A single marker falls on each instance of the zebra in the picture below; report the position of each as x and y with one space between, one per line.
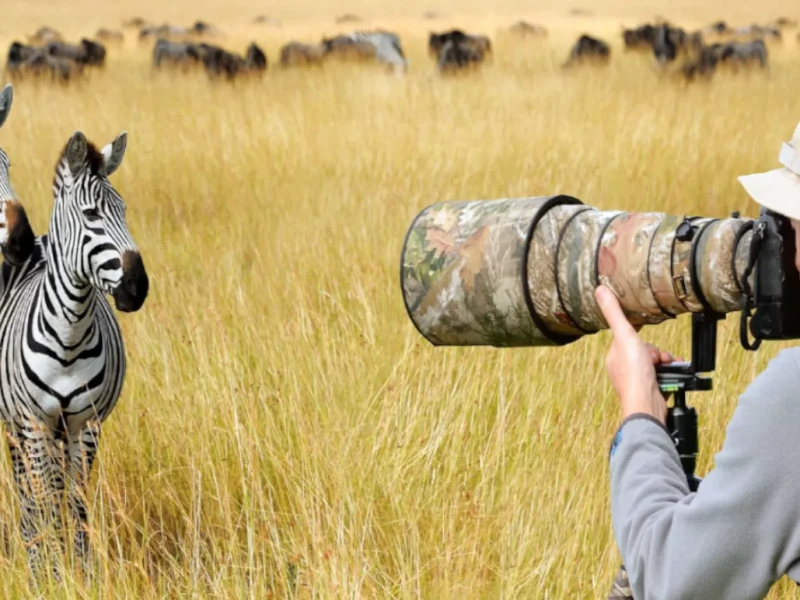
16 235
61 348
382 45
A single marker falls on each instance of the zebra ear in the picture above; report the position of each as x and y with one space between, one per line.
6 96
113 153
77 152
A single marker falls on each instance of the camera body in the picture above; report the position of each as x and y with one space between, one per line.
776 281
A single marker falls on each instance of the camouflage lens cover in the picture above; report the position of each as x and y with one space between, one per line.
522 272
463 272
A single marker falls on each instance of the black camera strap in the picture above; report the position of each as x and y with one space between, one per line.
759 229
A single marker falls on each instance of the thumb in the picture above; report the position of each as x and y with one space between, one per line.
612 311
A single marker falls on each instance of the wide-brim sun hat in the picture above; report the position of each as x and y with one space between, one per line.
779 190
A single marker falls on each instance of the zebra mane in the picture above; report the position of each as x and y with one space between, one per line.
94 158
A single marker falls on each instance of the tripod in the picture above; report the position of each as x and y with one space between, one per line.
675 380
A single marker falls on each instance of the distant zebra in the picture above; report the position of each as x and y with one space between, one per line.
16 235
382 45
62 351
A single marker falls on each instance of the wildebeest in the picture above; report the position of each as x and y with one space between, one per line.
176 54
705 63
255 58
480 43
223 63
639 38
744 53
455 50
86 52
525 29
348 18
731 53
667 42
455 57
785 22
45 35
19 53
203 29
265 20
588 49
298 53
109 36
718 28
25 60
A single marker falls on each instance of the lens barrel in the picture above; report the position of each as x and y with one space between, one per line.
522 272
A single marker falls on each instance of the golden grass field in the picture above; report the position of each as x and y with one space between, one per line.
284 431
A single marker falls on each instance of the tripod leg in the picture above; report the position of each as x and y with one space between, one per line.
622 587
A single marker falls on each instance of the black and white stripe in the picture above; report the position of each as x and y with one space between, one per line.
386 44
62 359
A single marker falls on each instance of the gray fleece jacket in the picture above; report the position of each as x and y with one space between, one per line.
740 532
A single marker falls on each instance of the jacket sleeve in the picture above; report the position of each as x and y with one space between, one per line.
740 531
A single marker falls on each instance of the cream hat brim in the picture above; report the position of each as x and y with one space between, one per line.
777 190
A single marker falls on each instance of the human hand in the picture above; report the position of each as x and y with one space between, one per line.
631 363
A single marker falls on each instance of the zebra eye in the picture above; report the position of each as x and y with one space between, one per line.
91 214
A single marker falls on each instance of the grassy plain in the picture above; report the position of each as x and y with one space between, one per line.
284 430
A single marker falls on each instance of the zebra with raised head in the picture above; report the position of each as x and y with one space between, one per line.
62 359
16 235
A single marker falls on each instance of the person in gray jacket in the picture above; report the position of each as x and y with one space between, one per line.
740 532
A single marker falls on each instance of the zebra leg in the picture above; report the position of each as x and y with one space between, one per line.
38 469
82 452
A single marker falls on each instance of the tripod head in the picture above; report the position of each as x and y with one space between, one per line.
677 379
687 376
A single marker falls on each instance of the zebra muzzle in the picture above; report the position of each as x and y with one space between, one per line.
130 294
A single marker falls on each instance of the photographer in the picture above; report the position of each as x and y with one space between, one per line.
740 532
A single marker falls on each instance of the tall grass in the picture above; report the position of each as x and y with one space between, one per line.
284 431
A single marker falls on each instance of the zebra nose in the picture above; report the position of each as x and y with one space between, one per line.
130 294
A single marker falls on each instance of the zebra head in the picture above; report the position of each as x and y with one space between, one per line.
88 224
16 236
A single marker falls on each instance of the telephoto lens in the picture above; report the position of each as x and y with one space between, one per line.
522 272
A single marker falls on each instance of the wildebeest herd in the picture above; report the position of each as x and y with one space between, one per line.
700 52
53 57
217 61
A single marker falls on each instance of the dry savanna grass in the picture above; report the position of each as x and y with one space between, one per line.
284 431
